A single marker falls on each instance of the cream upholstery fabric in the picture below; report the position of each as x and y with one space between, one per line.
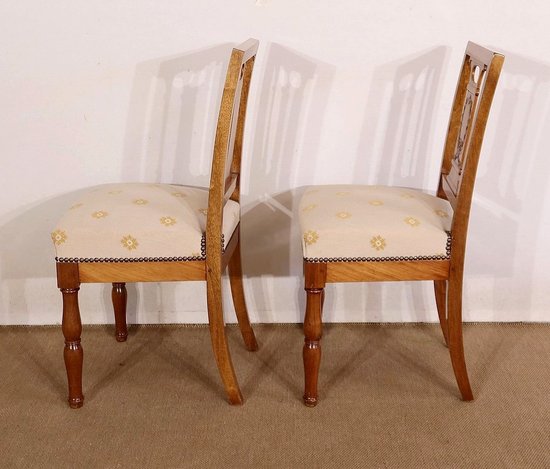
361 223
138 222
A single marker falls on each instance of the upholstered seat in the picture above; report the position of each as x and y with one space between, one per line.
346 223
138 221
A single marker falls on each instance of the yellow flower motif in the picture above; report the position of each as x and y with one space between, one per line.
378 243
309 208
411 221
72 207
442 213
310 237
343 215
129 242
342 193
204 211
179 194
168 221
376 203
99 214
59 237
407 196
114 192
141 202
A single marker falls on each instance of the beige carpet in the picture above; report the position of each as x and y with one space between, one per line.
389 399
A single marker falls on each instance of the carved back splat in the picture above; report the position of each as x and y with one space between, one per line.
473 97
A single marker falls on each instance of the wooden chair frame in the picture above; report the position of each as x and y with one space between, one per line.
473 97
224 185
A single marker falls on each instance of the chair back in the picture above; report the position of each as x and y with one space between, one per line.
473 97
226 161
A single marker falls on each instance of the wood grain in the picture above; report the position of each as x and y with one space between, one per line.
121 272
387 271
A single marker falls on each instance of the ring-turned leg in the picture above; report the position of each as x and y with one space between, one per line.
237 292
219 339
455 342
73 354
312 343
440 287
119 297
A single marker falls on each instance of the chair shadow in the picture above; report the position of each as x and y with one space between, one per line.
171 116
287 114
169 139
395 149
511 190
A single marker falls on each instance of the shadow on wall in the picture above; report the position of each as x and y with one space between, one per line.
394 145
287 121
27 257
169 138
395 148
174 104
395 142
512 185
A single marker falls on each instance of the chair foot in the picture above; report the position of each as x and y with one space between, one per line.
310 401
76 402
236 398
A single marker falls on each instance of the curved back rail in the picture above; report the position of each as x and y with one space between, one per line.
226 162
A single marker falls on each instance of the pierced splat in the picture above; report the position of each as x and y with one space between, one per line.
463 126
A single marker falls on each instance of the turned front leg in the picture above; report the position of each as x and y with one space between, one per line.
73 353
312 343
119 297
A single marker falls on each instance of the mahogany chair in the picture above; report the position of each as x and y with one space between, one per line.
140 232
356 233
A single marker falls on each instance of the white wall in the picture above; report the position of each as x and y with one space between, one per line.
344 92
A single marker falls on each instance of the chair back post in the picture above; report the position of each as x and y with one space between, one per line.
473 98
226 161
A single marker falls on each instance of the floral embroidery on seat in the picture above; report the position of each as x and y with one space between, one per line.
179 194
59 237
310 237
99 214
309 208
168 221
141 202
343 215
204 211
411 221
442 213
376 203
75 206
129 242
378 243
407 196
